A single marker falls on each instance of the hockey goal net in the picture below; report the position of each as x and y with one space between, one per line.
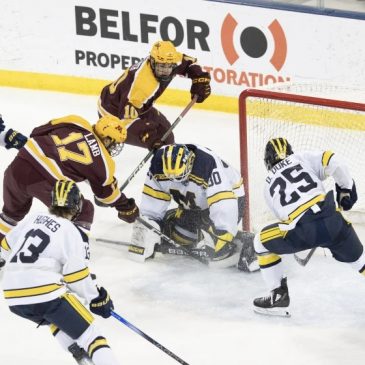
320 118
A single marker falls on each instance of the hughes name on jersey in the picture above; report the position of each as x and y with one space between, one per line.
212 184
45 254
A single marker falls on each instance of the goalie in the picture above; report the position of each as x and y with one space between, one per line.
210 198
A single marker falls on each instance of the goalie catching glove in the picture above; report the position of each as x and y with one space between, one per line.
102 305
201 87
346 198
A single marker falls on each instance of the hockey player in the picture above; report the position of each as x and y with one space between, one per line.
10 138
47 264
67 147
307 216
210 197
133 94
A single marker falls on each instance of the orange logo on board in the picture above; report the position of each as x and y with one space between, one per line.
254 42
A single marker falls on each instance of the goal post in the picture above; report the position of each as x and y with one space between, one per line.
326 121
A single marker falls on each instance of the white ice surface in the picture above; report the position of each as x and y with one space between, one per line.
203 316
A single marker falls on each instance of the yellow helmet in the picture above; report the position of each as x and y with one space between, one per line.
164 58
114 129
165 52
177 162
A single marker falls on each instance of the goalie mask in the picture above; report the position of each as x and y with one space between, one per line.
276 149
177 162
112 131
164 58
66 198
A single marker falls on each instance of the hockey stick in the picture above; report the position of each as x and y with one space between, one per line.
304 261
114 242
163 139
172 242
169 250
150 153
148 338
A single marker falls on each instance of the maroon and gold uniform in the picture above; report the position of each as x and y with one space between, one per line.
132 95
64 148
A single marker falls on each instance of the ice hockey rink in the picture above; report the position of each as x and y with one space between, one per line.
202 315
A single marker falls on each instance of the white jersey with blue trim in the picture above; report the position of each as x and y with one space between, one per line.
294 185
212 184
45 255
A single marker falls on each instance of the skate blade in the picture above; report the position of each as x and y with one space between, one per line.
273 312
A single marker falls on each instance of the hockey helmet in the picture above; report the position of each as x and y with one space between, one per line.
177 162
113 132
67 196
164 58
276 149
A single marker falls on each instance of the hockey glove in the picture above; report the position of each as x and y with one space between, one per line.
128 212
150 136
201 86
14 139
102 304
346 198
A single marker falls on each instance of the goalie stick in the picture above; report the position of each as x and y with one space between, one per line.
303 261
164 249
200 254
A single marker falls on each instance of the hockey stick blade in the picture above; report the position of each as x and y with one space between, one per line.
304 261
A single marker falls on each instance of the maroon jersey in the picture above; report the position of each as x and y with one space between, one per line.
68 148
135 91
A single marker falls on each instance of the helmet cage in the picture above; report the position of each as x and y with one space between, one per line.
115 148
177 162
162 70
164 58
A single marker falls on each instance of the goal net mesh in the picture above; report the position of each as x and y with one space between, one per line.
311 117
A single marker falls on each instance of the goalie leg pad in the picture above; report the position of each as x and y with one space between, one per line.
143 241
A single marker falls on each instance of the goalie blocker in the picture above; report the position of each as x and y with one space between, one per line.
145 243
